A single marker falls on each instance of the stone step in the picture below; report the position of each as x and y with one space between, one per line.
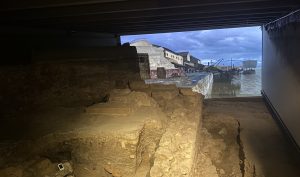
120 92
118 99
109 109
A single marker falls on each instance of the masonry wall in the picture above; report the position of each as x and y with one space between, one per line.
18 44
281 74
66 77
169 73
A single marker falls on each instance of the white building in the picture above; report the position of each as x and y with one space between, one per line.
156 54
173 57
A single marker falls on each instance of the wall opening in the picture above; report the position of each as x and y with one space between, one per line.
232 57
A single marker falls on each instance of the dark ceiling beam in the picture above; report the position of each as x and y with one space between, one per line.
185 29
187 20
121 4
195 27
121 30
191 20
153 25
234 8
145 9
34 4
183 23
139 16
198 16
171 25
174 27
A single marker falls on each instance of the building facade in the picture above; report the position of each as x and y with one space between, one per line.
191 63
157 59
173 57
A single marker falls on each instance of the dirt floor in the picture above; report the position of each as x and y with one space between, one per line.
131 134
158 131
240 138
105 139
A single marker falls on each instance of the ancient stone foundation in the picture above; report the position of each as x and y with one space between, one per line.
88 114
79 114
148 130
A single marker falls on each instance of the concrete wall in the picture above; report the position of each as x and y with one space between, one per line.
66 77
18 44
169 73
281 74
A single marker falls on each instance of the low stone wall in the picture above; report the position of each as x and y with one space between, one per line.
169 73
198 83
114 139
176 150
67 78
150 130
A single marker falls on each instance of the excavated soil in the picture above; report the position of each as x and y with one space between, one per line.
115 138
241 139
148 131
142 131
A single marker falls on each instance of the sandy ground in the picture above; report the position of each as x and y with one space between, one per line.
242 139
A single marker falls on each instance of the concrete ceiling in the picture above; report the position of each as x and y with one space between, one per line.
142 16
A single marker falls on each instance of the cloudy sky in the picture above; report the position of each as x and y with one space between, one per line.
233 43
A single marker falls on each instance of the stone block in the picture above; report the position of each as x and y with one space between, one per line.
119 96
109 109
164 94
163 87
187 92
11 172
176 152
65 171
138 85
119 92
141 99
